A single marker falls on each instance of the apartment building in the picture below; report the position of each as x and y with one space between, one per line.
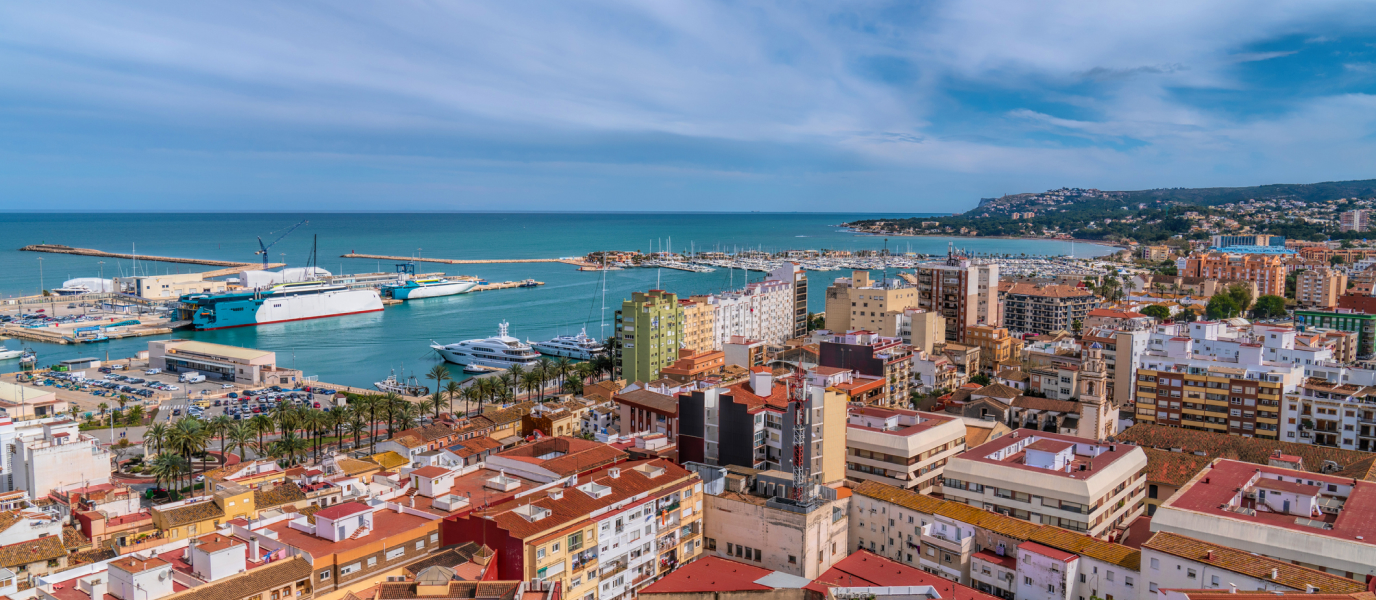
1075 483
580 532
1211 397
1354 220
699 324
996 554
1355 314
1043 309
1172 561
1123 350
762 310
650 326
1336 415
51 455
1320 288
995 345
1267 271
751 424
920 328
902 448
1155 253
751 516
1308 519
857 302
872 355
793 274
963 291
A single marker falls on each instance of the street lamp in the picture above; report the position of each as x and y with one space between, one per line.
40 276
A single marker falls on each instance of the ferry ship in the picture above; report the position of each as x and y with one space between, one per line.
579 346
500 352
278 304
428 288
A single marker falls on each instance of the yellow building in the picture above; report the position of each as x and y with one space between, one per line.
204 514
994 343
699 321
1319 288
857 302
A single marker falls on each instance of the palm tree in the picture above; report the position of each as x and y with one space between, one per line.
167 467
573 386
545 369
438 373
470 394
517 373
156 435
104 408
407 415
437 400
338 416
370 403
219 426
188 438
261 424
289 446
562 367
135 417
356 426
452 389
240 438
531 381
389 406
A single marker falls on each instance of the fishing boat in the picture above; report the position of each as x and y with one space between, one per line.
579 346
529 283
427 288
411 387
500 351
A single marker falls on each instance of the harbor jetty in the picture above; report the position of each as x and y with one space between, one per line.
235 267
455 261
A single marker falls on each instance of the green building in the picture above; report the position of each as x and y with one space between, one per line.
1363 324
650 328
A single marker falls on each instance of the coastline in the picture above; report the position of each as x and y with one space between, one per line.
990 237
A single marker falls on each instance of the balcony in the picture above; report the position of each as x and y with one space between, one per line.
931 534
612 569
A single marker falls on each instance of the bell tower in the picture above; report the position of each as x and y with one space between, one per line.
1098 418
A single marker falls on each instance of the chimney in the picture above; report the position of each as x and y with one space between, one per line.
614 472
1210 556
761 381
1309 588
1232 588
1275 573
253 549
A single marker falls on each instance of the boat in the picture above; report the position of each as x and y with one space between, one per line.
528 283
11 354
29 358
72 290
579 346
411 387
479 369
427 288
280 303
500 352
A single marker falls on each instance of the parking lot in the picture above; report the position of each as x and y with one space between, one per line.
246 404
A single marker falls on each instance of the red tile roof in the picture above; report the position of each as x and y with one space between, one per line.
1052 553
430 472
710 574
866 569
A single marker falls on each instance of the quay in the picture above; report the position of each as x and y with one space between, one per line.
455 261
235 267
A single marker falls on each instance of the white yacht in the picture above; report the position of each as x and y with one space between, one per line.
579 346
499 352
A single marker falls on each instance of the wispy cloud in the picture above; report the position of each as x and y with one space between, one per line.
610 94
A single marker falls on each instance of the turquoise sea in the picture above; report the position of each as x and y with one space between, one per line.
358 350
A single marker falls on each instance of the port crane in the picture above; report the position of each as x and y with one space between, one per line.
264 247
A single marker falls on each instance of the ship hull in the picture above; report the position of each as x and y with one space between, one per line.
432 291
248 311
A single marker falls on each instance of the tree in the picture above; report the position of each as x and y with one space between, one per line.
1241 294
980 378
1077 325
155 436
1158 312
454 389
439 373
1269 307
219 426
240 437
134 416
1221 306
437 400
1335 260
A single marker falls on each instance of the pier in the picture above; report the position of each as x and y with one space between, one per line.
234 267
455 261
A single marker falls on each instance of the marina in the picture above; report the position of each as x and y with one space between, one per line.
234 266
454 261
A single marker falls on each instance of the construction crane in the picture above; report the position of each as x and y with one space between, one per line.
264 247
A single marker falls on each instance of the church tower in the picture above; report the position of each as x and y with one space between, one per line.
1098 416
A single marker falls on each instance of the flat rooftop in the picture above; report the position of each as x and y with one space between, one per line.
219 350
386 524
925 420
1090 456
1214 489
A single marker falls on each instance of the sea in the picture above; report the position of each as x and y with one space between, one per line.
361 349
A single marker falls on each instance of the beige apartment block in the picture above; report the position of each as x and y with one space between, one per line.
1319 288
902 448
859 303
1076 483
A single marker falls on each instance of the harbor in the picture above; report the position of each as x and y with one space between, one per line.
233 266
455 261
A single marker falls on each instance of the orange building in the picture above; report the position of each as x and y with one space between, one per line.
1266 271
693 365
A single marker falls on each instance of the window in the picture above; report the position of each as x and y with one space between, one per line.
324 576
349 569
1152 587
1110 576
372 562
1127 581
1214 580
1155 564
554 548
792 560
1190 573
434 538
539 554
396 553
1027 580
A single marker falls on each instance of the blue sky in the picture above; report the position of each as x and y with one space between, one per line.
662 105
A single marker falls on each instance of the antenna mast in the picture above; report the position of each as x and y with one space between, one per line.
798 398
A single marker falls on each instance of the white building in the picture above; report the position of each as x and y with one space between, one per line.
52 456
762 311
625 541
1221 342
1173 561
1045 573
1076 483
903 448
216 556
134 578
1330 414
1309 519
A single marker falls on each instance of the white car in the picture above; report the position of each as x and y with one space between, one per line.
152 371
170 388
227 386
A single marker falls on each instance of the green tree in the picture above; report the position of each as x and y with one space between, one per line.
980 378
1158 312
454 389
439 373
1269 307
240 437
437 400
1221 306
1335 260
1241 295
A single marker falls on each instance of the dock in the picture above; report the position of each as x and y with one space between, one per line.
455 261
234 267
54 336
504 285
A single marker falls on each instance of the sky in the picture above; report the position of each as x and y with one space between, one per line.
651 105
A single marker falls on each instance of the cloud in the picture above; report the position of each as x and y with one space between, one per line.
948 95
